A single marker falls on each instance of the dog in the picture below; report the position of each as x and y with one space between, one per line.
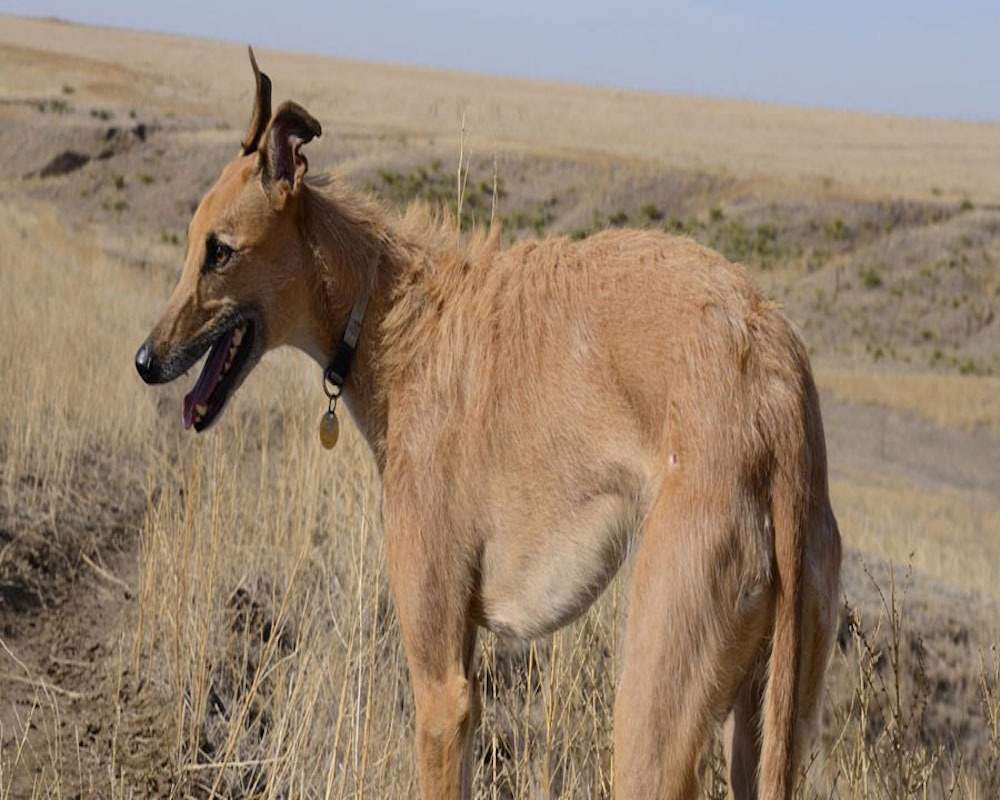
536 412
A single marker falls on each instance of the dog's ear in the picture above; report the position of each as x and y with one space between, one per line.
261 109
282 165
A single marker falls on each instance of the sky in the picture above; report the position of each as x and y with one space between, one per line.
912 57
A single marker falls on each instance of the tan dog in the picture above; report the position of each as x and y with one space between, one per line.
534 412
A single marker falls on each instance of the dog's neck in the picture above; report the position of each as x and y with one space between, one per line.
355 255
410 267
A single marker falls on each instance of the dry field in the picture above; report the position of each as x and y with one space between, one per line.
196 616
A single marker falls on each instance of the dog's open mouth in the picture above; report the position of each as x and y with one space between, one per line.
223 371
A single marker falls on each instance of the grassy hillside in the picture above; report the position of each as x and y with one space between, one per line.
184 615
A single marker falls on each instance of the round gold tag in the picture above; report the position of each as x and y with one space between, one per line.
329 430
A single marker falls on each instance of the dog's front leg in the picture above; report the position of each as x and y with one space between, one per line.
431 591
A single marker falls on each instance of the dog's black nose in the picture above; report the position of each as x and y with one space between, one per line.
145 363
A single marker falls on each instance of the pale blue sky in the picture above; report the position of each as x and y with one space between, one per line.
921 58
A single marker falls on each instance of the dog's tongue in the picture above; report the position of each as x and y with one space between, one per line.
208 379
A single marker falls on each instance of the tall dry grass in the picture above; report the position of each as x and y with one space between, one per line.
68 315
72 432
267 619
880 742
265 615
263 622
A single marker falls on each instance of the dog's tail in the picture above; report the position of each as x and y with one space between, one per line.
778 762
798 491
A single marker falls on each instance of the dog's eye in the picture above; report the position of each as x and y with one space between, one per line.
217 254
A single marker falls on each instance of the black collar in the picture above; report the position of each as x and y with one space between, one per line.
335 374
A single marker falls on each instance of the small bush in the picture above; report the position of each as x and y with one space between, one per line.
57 106
677 225
737 242
870 278
651 213
838 230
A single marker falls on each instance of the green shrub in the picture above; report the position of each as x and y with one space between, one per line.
838 230
870 278
651 213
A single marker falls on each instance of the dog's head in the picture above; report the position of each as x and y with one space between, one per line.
242 290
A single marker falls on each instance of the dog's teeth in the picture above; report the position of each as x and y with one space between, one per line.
202 409
238 336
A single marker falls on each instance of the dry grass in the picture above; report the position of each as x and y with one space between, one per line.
951 535
959 401
882 747
69 440
65 336
258 653
266 618
263 623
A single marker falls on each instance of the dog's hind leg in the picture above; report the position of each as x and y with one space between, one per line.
819 624
743 734
432 604
696 627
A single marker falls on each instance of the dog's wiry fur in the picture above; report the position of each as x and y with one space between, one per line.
536 412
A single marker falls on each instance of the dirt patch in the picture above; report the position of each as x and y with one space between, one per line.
51 537
67 161
71 697
71 703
